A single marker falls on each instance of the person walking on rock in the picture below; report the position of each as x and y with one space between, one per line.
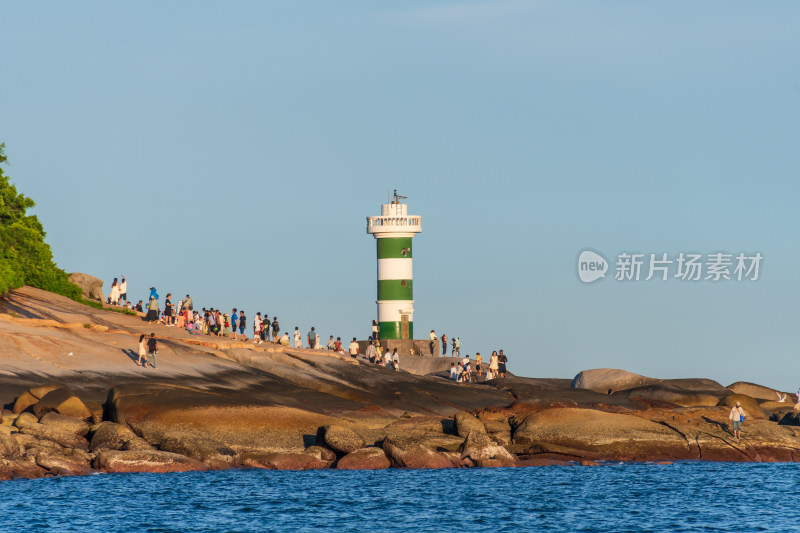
142 350
736 416
152 350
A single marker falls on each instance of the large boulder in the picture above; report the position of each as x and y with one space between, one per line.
759 392
483 451
364 459
110 436
159 414
413 452
340 439
91 287
466 423
684 392
592 434
63 401
10 448
144 461
604 379
62 462
322 453
282 461
26 420
64 424
748 403
207 450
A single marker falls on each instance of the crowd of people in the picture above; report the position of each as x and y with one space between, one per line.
215 322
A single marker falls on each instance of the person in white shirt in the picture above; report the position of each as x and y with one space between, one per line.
123 290
396 361
433 342
387 358
371 352
736 416
298 339
114 295
257 323
353 348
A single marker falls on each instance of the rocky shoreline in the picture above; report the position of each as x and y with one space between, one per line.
76 403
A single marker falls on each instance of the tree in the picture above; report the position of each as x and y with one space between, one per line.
25 257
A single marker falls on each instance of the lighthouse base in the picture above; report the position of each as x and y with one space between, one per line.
405 346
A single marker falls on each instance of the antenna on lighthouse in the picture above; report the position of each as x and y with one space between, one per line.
396 198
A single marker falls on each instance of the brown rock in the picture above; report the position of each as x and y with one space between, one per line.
364 459
749 404
138 443
602 379
145 461
340 439
203 449
412 452
61 464
7 417
110 436
282 461
25 420
483 451
592 434
64 424
759 392
42 390
322 453
91 287
23 401
466 423
10 447
96 408
63 401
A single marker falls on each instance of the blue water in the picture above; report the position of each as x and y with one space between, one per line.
628 497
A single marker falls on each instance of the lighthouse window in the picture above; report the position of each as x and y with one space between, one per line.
403 252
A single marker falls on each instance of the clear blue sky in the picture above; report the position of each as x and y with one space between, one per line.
233 150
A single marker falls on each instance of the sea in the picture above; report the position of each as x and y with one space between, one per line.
685 496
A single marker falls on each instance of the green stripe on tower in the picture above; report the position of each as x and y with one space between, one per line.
391 330
392 248
395 289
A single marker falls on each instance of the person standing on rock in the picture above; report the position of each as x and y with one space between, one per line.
501 364
242 325
168 310
478 361
187 303
298 339
396 360
376 329
234 322
312 339
493 364
257 328
736 417
123 290
353 348
444 345
152 350
152 310
433 342
371 352
113 297
275 329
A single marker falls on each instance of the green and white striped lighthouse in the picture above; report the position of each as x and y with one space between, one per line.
393 231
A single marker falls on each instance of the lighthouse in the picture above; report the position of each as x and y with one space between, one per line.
393 230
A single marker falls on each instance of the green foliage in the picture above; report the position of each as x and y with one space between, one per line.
25 258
